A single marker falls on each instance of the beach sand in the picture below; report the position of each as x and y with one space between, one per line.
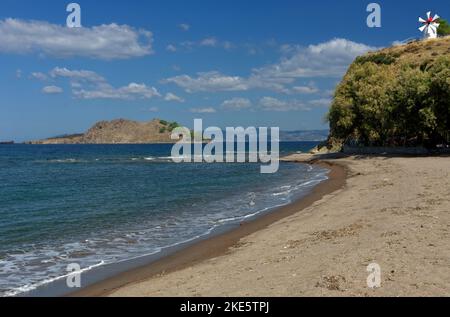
391 211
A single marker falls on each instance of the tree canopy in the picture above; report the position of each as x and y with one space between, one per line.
383 101
444 28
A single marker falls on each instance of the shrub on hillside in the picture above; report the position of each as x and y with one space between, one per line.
444 28
385 104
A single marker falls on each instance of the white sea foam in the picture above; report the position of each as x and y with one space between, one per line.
30 287
69 160
149 238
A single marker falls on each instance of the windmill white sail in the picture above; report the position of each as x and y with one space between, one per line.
430 26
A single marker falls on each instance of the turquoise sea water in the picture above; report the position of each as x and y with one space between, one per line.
101 204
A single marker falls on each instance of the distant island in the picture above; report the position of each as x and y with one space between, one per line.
123 131
304 135
119 131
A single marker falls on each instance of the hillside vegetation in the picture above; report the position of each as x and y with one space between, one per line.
399 96
120 132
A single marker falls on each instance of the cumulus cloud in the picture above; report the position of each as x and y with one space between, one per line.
305 90
323 102
106 91
330 59
52 90
209 81
106 42
87 84
216 81
276 105
172 97
203 110
188 45
227 45
184 27
210 41
39 76
171 48
236 104
77 75
214 42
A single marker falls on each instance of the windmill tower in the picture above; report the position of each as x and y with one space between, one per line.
430 26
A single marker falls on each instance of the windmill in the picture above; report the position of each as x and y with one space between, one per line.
429 27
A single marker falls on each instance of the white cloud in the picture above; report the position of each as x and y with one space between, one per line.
403 42
172 97
99 42
39 76
184 27
227 45
287 48
171 48
277 105
305 90
330 59
75 84
210 42
274 104
106 91
323 102
153 109
252 50
214 42
210 81
77 75
329 93
279 85
52 90
87 84
215 81
203 110
18 73
188 45
237 104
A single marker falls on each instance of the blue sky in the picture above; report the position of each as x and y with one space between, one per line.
248 63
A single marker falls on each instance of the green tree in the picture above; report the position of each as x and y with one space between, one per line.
361 110
413 116
440 98
444 28
379 104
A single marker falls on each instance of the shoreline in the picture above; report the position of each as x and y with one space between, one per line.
217 245
392 213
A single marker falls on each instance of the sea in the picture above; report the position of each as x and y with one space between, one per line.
103 205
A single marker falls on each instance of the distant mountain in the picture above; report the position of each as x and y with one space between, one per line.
119 131
312 135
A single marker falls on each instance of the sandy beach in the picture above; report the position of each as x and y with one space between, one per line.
389 211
